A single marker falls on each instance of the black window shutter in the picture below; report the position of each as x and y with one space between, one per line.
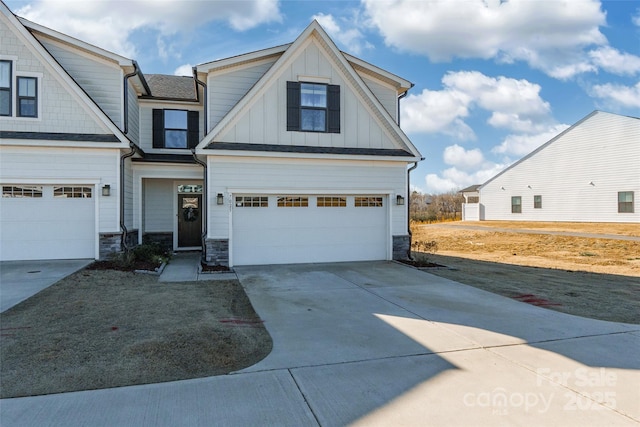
293 106
158 128
333 104
193 126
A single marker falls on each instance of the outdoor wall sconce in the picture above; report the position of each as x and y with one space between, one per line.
399 200
106 190
220 199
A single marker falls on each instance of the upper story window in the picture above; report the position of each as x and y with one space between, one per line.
313 107
5 88
175 128
27 101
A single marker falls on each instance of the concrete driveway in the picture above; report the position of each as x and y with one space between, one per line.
21 279
384 344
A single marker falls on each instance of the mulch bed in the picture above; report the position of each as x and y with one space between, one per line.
118 266
214 268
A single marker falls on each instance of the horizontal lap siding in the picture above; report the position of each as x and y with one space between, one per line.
55 165
308 176
603 149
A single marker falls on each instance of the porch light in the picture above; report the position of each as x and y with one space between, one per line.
106 190
399 200
220 199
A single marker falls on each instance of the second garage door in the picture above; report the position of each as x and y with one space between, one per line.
276 229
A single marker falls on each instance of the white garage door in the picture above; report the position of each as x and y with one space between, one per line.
303 229
47 222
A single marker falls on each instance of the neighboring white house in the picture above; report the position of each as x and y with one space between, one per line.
588 173
285 155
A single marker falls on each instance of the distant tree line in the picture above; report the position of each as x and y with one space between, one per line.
436 207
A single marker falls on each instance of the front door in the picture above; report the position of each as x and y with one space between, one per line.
189 220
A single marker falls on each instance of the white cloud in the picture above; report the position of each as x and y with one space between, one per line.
614 61
437 111
514 104
457 156
453 179
184 70
618 95
553 38
519 145
636 18
351 38
109 24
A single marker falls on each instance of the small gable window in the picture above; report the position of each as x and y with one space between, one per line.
313 107
5 88
175 128
27 97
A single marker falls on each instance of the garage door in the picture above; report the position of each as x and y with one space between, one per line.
301 228
47 222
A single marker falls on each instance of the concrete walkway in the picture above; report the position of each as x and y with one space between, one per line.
184 267
20 280
385 344
529 231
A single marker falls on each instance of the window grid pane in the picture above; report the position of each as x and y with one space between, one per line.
175 119
27 97
313 120
252 201
537 202
21 191
625 202
5 88
293 202
175 138
362 202
331 202
516 204
313 95
72 192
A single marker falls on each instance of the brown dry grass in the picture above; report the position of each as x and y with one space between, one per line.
98 329
597 255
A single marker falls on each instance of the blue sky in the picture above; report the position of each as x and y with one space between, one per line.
493 79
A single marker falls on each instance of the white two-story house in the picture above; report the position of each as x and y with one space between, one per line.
287 155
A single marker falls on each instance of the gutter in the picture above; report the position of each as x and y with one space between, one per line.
402 95
203 237
204 91
134 148
415 165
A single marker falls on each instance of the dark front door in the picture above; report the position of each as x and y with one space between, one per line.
189 220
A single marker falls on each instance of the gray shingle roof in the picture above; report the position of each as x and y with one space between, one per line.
307 149
171 87
56 136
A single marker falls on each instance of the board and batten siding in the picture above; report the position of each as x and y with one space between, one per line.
264 122
58 109
227 87
100 79
76 166
578 175
313 177
387 96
